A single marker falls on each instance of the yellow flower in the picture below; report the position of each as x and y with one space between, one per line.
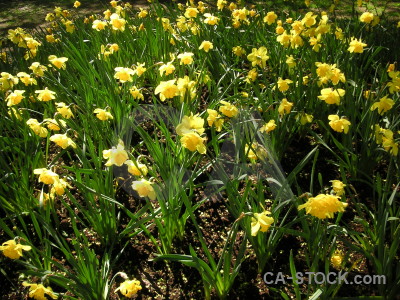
338 187
102 114
140 69
193 141
123 74
15 97
258 57
136 93
214 118
38 291
58 62
64 110
261 222
331 96
291 62
268 127
323 206
129 288
255 151
46 176
238 51
77 4
388 142
228 109
191 12
99 25
210 19
206 46
116 156
7 81
37 128
117 23
167 68
144 189
37 69
337 259
186 58
136 168
383 105
309 19
26 79
356 46
394 85
283 84
53 125
62 140
339 125
270 17
13 250
59 187
285 107
251 75
304 118
367 17
192 123
45 95
167 89
142 13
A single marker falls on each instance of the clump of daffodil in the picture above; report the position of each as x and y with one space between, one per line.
116 155
37 128
13 250
215 119
26 79
190 129
261 222
323 206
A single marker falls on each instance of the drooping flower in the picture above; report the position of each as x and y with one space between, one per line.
367 17
129 288
117 23
123 74
167 89
45 95
331 96
102 114
136 93
192 123
323 206
144 188
337 259
338 187
210 19
26 79
268 127
63 141
193 141
261 222
270 18
304 118
58 62
38 291
228 109
383 105
167 68
140 69
15 97
186 58
283 84
214 118
46 176
13 250
356 46
116 155
258 57
99 25
255 151
64 110
38 69
285 107
339 124
136 168
206 46
37 128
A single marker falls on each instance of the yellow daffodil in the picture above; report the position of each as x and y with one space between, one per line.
13 250
268 127
285 107
15 97
58 62
338 187
261 222
38 69
45 95
228 109
192 123
64 110
186 58
383 105
46 176
367 17
37 128
283 84
38 291
356 46
270 18
136 168
99 25
123 74
144 188
136 93
193 141
206 46
62 140
258 57
215 119
331 96
167 89
116 155
117 23
323 206
339 124
337 259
